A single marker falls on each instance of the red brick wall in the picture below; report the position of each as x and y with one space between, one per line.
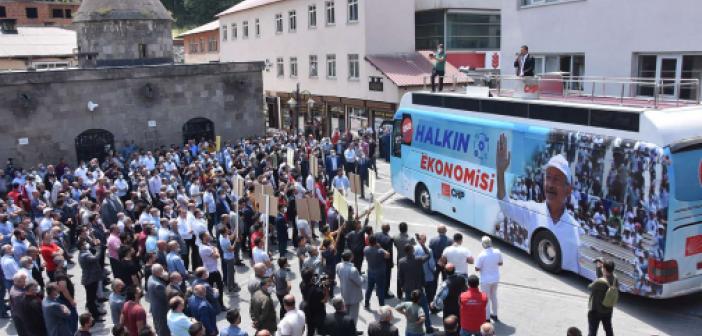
201 56
17 10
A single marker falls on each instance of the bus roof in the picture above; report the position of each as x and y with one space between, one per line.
661 126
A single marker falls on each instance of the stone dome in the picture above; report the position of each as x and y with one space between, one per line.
103 10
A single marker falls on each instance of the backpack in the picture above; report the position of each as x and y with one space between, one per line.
611 295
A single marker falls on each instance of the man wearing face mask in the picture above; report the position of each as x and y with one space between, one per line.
90 279
158 302
67 291
262 310
281 228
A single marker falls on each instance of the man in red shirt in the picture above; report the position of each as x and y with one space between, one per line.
472 309
133 314
49 250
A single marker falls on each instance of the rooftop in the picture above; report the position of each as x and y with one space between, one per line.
99 10
214 25
413 69
246 5
38 41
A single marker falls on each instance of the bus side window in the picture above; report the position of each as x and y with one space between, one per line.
397 138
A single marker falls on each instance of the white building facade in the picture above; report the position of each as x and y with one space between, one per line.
652 40
321 46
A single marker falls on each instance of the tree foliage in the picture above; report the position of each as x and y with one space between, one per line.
191 13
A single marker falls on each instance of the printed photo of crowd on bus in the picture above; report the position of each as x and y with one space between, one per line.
619 198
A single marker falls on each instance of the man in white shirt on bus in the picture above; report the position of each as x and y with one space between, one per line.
457 255
551 215
488 264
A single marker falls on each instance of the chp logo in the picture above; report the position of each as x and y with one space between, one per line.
407 130
448 192
481 146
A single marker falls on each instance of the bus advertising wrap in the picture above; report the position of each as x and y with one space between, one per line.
599 196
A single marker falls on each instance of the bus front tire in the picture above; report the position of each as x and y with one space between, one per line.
422 198
547 251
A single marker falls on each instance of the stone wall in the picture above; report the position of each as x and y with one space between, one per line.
50 109
116 42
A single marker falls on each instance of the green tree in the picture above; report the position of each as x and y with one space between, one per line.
188 13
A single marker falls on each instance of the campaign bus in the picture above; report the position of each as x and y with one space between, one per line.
568 182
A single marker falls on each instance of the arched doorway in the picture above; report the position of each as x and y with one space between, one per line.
94 143
197 129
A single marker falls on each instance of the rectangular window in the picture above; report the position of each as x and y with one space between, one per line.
224 33
331 66
354 67
258 28
331 18
142 51
292 18
31 12
293 67
471 31
2 12
280 67
353 11
278 23
429 29
314 65
312 16
245 29
235 33
201 47
69 14
212 45
193 47
57 13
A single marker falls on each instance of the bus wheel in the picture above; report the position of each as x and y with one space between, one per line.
423 198
547 251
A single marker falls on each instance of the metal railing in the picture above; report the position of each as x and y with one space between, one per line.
624 90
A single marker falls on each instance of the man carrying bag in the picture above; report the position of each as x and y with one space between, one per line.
604 294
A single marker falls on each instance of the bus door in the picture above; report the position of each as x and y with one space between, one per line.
398 178
680 240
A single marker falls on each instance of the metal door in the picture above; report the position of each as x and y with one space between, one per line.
94 144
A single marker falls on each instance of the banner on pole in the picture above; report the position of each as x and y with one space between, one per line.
371 182
378 213
341 205
272 206
291 157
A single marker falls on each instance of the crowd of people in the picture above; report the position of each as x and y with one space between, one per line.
172 227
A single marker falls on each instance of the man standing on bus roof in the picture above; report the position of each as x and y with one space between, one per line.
551 215
524 64
439 68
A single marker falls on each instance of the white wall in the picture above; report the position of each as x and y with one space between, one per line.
422 5
341 39
608 32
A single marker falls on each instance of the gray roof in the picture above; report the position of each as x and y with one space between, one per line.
38 41
101 10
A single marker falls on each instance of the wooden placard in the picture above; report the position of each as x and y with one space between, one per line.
268 190
315 210
303 211
291 157
240 186
272 206
355 182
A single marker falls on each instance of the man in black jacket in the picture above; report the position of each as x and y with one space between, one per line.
339 323
450 291
410 276
524 64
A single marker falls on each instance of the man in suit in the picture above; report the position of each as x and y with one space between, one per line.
110 207
37 268
55 314
524 64
157 298
363 168
331 165
90 278
351 284
202 310
175 286
383 326
339 323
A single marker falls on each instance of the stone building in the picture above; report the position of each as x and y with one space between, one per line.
79 114
125 32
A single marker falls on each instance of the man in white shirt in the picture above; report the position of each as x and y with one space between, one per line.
293 324
457 255
9 265
488 264
341 182
122 186
350 159
551 215
259 255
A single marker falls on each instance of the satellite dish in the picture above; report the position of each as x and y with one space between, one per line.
92 106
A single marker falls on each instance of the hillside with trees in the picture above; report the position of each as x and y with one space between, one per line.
192 13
